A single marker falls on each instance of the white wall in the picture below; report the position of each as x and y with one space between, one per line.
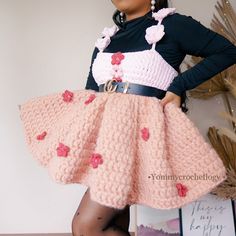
46 46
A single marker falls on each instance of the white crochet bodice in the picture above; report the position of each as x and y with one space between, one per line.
146 67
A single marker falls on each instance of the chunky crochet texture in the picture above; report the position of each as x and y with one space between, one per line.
127 148
136 140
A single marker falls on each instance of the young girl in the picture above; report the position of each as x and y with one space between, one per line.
126 136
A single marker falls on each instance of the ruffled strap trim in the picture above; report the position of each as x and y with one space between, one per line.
102 42
156 32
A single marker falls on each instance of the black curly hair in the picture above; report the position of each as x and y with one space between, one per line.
159 4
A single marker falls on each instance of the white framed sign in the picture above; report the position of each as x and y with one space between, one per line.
156 222
208 216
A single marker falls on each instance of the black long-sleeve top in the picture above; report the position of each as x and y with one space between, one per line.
183 35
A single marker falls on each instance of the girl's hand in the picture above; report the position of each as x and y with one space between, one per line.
171 97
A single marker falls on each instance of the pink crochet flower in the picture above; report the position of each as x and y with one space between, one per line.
117 73
145 133
117 58
42 135
182 189
102 43
115 67
154 33
90 99
95 160
62 150
67 96
110 31
160 14
107 32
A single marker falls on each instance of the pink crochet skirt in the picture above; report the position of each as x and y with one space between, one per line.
127 148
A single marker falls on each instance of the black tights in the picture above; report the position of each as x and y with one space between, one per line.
94 219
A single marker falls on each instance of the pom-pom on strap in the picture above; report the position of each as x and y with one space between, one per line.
156 32
162 13
104 41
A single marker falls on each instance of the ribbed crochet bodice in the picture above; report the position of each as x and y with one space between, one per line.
145 67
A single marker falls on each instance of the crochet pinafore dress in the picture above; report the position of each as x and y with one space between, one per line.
127 148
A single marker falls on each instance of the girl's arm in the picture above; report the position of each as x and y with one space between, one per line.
195 39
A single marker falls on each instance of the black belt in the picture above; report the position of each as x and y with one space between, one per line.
127 87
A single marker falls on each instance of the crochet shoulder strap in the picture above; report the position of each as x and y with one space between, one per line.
155 32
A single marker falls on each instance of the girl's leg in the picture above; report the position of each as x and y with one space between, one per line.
122 219
94 219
